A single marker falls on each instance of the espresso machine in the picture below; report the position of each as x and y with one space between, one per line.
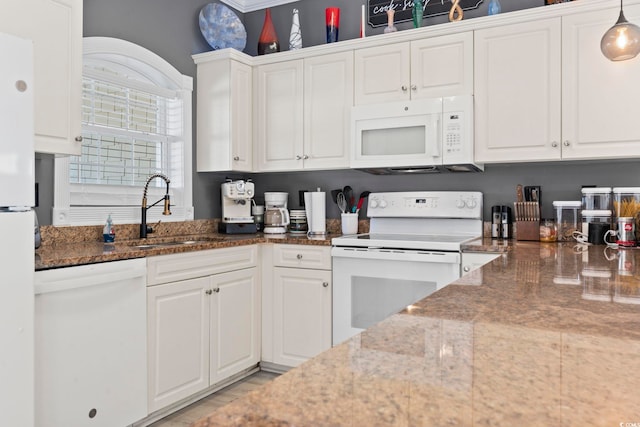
236 207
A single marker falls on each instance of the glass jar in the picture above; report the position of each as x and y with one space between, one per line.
567 219
596 198
626 203
548 231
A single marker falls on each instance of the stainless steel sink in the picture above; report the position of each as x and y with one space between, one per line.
170 242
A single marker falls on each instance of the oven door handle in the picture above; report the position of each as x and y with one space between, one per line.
396 255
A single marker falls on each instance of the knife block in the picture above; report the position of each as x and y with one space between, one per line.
527 220
527 230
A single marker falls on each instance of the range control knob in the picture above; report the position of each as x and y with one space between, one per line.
383 204
471 203
373 203
460 204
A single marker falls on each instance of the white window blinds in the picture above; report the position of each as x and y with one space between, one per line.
128 133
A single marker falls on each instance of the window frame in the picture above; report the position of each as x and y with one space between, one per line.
125 204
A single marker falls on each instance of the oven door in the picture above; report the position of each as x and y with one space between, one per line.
371 284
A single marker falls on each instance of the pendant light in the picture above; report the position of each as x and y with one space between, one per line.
622 41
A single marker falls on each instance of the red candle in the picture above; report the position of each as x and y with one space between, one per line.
332 15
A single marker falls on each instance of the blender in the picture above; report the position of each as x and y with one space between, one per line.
276 215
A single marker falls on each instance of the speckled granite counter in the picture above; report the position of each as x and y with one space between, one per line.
79 253
70 246
551 337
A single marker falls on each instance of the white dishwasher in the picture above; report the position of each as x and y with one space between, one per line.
90 345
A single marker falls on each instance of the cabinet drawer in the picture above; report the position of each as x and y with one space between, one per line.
170 268
302 256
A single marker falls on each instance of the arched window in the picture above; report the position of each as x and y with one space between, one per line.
136 122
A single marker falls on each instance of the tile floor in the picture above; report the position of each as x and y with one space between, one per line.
197 410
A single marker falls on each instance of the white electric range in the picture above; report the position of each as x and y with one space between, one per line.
412 249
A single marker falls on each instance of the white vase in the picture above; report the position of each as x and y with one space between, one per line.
295 38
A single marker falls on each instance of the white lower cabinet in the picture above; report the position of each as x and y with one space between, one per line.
201 330
297 303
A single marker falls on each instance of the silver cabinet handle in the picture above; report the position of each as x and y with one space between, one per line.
78 139
236 158
305 157
216 290
298 157
566 143
299 256
404 88
414 88
466 269
208 292
325 284
554 144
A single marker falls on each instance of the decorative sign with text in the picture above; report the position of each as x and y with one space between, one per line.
378 9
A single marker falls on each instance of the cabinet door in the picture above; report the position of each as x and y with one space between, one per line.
242 118
517 92
599 117
279 104
382 73
442 66
224 114
235 323
178 340
302 314
55 26
328 98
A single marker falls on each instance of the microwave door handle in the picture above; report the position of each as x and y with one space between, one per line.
437 137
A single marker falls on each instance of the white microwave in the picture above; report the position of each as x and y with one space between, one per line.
427 135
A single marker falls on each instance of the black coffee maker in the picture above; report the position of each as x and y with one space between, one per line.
501 222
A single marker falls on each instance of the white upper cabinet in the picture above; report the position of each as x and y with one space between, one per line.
426 68
224 114
302 113
517 92
279 127
55 26
382 73
328 98
600 97
442 66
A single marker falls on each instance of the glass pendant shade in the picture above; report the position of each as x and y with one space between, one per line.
622 41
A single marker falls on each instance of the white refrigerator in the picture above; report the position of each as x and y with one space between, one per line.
16 232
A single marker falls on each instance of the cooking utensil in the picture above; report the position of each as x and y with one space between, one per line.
334 195
363 196
342 202
348 195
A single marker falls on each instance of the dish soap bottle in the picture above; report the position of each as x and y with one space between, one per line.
108 232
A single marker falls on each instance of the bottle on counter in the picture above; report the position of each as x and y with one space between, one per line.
109 232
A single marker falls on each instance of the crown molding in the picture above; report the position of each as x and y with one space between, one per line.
245 6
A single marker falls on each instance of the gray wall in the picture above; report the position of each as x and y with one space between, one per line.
170 29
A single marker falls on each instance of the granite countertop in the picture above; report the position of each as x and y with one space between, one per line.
91 252
550 337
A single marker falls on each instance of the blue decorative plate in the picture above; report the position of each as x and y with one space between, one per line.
222 28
